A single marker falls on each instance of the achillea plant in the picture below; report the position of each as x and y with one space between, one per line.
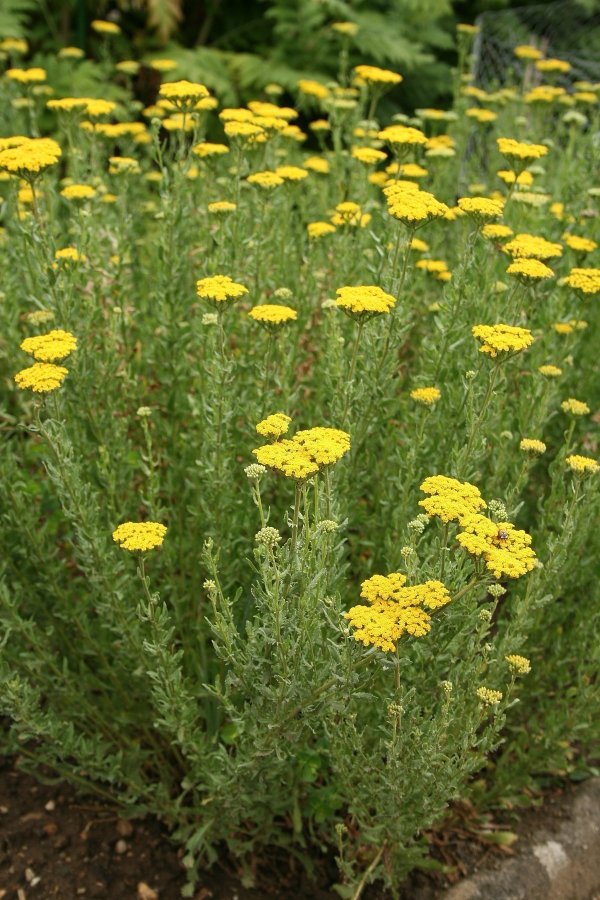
235 360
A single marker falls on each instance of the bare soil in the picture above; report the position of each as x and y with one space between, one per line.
56 844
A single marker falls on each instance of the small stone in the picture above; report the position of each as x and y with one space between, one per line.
50 806
2 894
145 892
124 828
121 847
29 875
81 891
35 881
50 828
3 811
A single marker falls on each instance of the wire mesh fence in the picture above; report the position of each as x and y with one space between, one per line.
566 30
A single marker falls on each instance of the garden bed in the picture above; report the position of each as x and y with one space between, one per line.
55 843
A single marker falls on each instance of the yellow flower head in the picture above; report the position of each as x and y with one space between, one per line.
138 537
317 164
368 155
183 94
265 179
488 696
29 157
102 26
523 179
575 407
319 229
121 165
350 213
272 315
531 445
374 75
395 609
496 232
41 377
364 301
291 173
529 271
402 136
582 465
502 338
426 395
412 206
505 550
26 76
579 244
481 208
520 665
288 458
206 148
274 426
528 246
549 371
347 29
450 499
51 347
78 192
585 280
553 65
221 206
526 51
313 89
512 149
218 289
324 446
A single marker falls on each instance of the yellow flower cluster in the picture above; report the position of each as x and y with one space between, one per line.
545 93
523 179
529 271
450 499
78 192
496 232
51 347
532 445
272 315
505 550
550 371
28 157
553 65
395 609
102 26
221 206
26 76
575 407
319 229
374 75
69 254
368 155
350 213
95 107
220 288
413 207
183 94
313 89
364 301
481 208
426 395
501 338
512 149
137 537
585 280
265 179
291 173
520 665
528 246
41 378
526 51
402 136
306 453
580 244
274 426
488 696
206 148
582 465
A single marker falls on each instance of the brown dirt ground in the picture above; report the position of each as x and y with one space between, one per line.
56 844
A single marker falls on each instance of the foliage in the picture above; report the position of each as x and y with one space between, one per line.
216 681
